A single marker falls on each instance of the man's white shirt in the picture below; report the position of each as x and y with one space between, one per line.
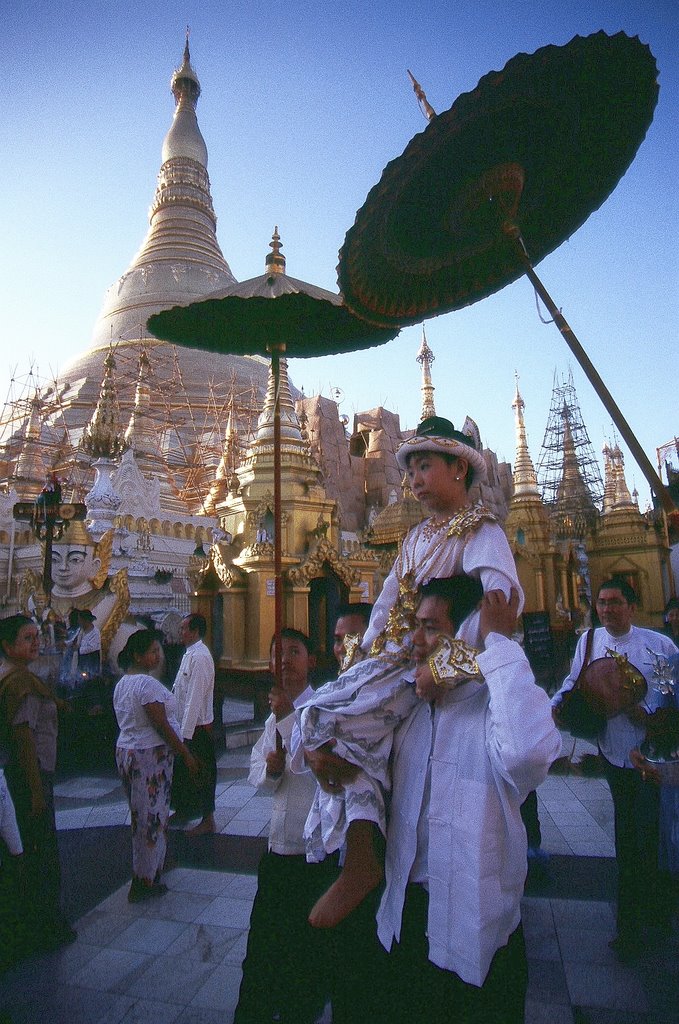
292 792
194 688
621 735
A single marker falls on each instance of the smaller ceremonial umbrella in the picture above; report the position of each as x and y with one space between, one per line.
497 182
270 315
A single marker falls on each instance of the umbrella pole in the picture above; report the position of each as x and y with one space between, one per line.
277 526
597 383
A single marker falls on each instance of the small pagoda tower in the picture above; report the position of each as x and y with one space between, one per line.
568 471
226 479
425 358
629 544
527 525
309 527
31 468
103 442
143 437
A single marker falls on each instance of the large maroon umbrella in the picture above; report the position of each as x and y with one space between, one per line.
270 315
497 182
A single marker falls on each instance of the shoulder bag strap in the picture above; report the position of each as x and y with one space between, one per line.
588 654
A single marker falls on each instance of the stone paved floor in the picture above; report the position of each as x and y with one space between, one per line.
178 959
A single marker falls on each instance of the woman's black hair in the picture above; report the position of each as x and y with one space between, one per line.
137 644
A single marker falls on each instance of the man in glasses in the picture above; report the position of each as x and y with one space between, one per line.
643 910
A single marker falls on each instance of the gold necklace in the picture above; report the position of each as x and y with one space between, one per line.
412 566
433 526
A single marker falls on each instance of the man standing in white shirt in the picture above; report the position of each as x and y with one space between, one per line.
642 898
284 971
194 689
88 644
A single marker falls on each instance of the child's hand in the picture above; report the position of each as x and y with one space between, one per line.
331 770
498 615
425 685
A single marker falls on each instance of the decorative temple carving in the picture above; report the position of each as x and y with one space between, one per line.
322 554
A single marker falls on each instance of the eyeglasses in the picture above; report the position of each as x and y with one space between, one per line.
610 602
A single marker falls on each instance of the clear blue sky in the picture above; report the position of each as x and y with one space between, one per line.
302 106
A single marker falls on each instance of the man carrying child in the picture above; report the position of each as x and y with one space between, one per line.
458 767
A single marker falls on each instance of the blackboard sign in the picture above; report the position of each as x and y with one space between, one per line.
537 635
538 644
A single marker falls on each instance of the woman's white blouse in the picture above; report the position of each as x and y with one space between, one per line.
130 696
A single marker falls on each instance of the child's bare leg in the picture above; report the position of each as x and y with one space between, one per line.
362 872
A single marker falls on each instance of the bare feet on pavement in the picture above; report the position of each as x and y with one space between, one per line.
205 827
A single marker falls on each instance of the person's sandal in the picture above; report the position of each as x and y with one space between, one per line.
139 892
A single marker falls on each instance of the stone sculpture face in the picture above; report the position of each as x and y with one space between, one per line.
74 568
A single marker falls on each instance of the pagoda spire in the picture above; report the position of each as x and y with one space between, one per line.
230 457
225 475
609 480
565 413
425 358
256 473
143 438
31 467
616 491
572 485
180 259
573 509
524 475
184 138
102 437
103 442
623 497
141 434
291 434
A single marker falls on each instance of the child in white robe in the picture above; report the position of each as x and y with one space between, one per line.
359 711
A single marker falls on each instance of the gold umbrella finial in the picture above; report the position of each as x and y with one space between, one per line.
275 260
424 104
